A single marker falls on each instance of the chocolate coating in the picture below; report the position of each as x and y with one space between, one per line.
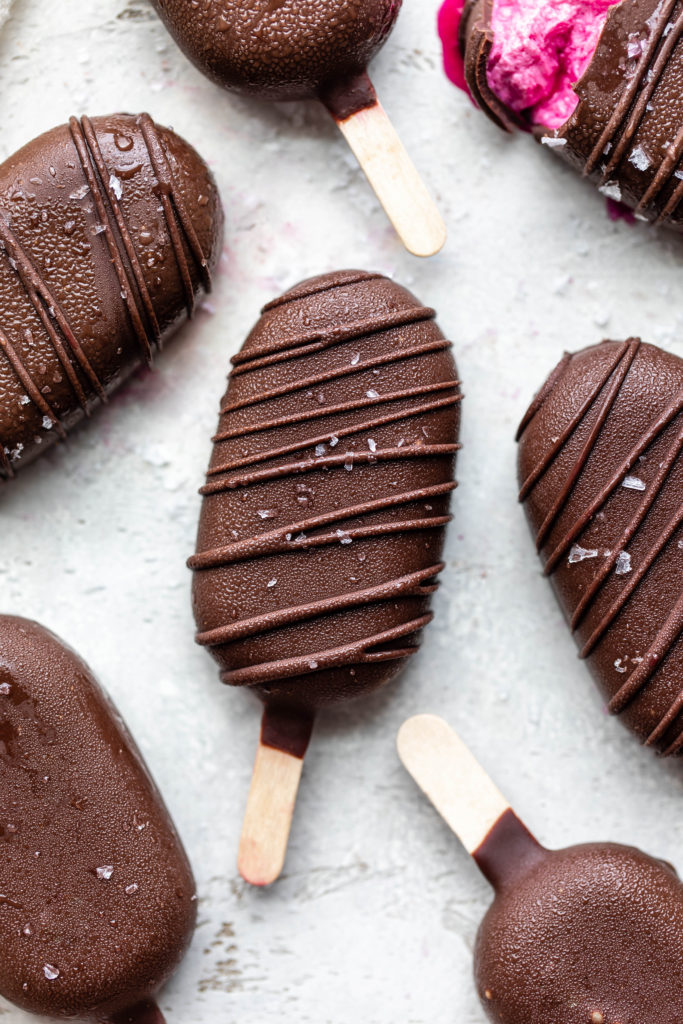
602 480
109 228
588 935
97 904
626 133
328 492
280 49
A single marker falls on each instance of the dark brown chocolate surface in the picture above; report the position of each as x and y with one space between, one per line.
588 935
108 230
627 131
328 492
602 479
97 900
280 49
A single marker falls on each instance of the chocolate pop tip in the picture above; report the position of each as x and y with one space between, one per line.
99 899
600 473
115 230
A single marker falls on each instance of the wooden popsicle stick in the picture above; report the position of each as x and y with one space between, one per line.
268 818
285 733
393 176
451 778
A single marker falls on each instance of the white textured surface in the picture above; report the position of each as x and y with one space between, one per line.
376 916
5 8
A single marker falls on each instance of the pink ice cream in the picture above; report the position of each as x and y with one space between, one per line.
449 20
541 48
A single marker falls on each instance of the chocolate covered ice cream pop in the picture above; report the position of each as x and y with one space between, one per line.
110 227
592 934
314 50
98 902
323 516
598 81
601 476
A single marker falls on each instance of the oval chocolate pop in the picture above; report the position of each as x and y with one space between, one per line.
323 517
601 474
591 934
109 228
315 49
98 900
598 83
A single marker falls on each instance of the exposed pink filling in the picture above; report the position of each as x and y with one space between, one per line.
541 48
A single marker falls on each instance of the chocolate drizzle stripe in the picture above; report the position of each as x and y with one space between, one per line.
124 233
244 363
353 406
627 97
305 293
24 376
559 444
178 222
651 434
540 398
576 470
672 204
259 546
329 462
127 289
359 652
410 585
638 576
338 373
667 721
665 171
276 539
51 316
310 442
651 495
660 647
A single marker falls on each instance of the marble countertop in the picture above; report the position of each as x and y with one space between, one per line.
375 916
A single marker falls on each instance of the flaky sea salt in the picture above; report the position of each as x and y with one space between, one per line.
639 159
633 483
104 873
553 143
50 972
115 186
612 190
623 565
579 554
372 393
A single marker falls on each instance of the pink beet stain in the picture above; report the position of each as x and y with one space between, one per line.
450 14
620 211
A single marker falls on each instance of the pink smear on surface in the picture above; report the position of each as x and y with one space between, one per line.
449 23
541 48
620 211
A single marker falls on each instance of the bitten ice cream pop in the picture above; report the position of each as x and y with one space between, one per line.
98 901
314 50
110 228
323 517
597 81
591 934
